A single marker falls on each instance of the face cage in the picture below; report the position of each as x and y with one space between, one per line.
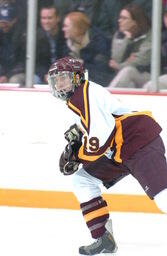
64 93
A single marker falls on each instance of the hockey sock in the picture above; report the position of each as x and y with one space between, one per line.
96 214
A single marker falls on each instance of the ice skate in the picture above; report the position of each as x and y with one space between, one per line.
104 244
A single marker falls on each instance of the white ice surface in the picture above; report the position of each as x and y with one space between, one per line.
51 232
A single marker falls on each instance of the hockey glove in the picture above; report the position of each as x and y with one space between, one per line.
73 134
67 163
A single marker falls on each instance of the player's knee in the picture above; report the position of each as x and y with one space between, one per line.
161 200
85 187
80 184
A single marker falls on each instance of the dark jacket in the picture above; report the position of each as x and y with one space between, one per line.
12 51
43 53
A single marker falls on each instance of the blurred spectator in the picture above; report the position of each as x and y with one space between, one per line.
163 78
88 44
21 7
131 49
102 13
12 45
146 5
50 46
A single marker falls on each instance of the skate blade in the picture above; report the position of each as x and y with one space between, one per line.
101 254
108 254
114 253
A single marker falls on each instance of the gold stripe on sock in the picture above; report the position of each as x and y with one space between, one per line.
95 214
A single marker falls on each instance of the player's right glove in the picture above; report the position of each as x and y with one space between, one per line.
68 163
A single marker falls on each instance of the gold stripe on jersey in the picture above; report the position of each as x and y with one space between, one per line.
74 108
86 156
85 120
147 113
118 141
95 214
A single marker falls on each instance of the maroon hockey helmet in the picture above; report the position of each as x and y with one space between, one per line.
64 76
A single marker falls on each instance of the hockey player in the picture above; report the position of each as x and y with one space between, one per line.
107 142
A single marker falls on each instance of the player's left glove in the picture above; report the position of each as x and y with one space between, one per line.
68 160
73 134
68 163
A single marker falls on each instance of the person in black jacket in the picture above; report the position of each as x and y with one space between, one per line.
50 40
12 45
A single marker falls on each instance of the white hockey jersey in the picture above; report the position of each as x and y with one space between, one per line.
108 126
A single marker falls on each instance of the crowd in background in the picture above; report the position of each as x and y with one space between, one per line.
111 37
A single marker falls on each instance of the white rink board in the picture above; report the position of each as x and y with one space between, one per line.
32 125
